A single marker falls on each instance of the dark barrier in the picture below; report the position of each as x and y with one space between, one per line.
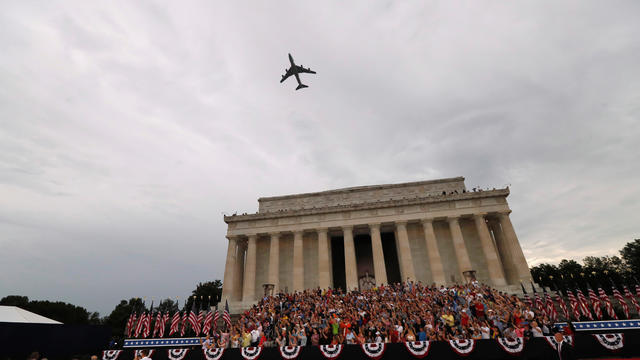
18 340
585 346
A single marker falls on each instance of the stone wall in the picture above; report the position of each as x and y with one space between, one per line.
359 195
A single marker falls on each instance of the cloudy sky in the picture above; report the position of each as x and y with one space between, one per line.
129 128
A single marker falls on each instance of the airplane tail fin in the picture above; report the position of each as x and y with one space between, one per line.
301 86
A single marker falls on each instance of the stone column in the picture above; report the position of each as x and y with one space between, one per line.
323 259
519 261
437 270
464 264
249 287
274 261
229 269
238 278
406 262
298 262
494 265
379 269
350 269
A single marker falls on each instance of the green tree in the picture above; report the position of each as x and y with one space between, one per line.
545 274
209 292
630 254
117 319
168 305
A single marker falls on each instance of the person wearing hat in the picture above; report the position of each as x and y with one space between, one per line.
564 350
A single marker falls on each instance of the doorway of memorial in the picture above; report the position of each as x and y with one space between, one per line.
337 261
364 261
391 263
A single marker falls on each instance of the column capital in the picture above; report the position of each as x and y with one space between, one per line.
504 212
252 236
480 214
426 220
298 232
401 223
322 229
233 237
347 228
453 218
274 233
374 226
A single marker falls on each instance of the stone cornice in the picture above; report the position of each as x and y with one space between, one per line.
359 188
370 205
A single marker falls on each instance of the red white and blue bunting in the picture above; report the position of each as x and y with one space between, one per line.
331 351
462 347
511 346
289 352
613 342
373 350
177 354
418 349
551 340
138 353
213 354
111 354
251 353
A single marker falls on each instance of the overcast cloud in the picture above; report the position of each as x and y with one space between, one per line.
129 127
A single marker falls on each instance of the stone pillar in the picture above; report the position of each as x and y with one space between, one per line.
437 270
229 269
274 261
238 278
380 272
350 269
464 264
323 259
519 261
494 265
406 262
298 262
249 286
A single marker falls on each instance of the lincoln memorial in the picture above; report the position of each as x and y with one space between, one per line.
432 231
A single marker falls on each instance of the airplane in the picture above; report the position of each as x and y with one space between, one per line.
295 70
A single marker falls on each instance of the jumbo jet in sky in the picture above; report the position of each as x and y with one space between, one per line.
295 70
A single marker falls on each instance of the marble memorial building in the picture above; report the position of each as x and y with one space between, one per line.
430 231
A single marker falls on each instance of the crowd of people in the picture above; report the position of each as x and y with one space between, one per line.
390 313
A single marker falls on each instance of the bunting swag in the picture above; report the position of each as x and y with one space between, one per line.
251 353
613 342
177 354
418 349
111 354
289 352
213 354
511 346
462 347
138 354
331 351
373 350
554 344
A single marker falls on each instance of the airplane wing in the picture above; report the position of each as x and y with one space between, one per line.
305 70
287 74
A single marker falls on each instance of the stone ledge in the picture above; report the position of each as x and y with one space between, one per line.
369 205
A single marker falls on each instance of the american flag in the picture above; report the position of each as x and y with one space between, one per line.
216 316
163 326
131 323
637 290
140 324
207 323
550 307
539 304
563 306
156 328
226 317
185 317
595 303
200 319
630 296
193 319
604 298
575 307
175 323
623 304
584 305
147 323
